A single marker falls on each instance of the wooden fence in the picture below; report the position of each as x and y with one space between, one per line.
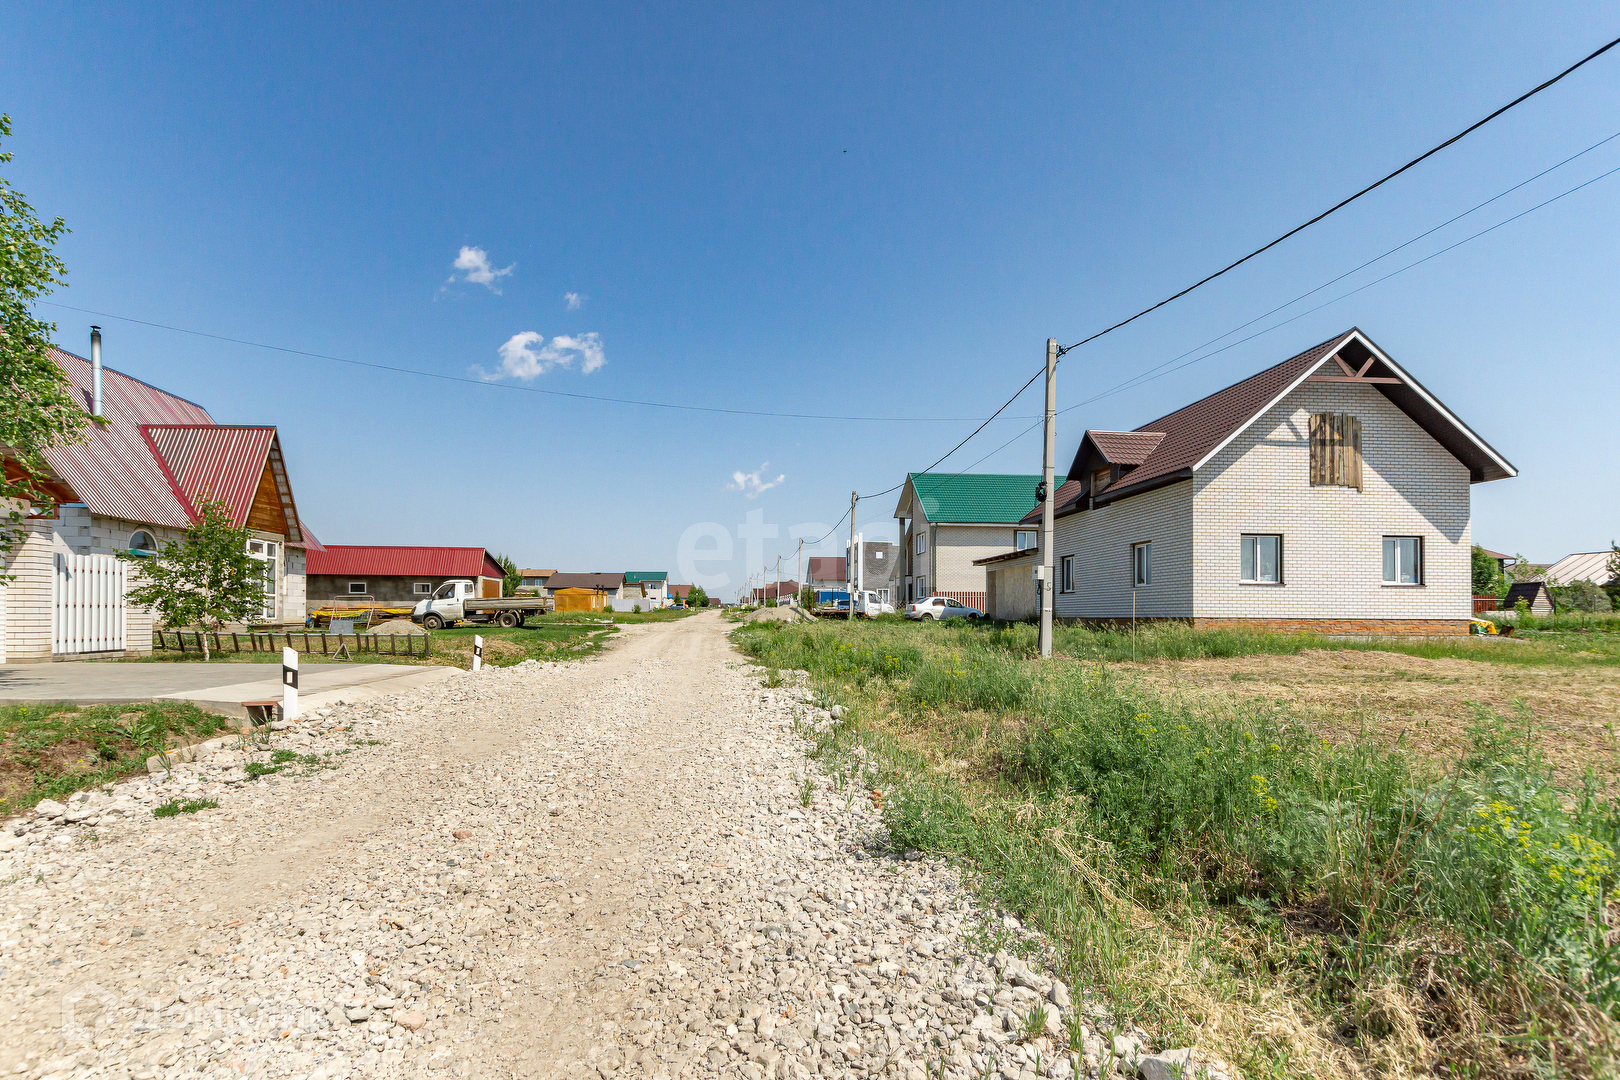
302 641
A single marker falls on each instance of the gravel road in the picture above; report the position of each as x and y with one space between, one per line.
602 867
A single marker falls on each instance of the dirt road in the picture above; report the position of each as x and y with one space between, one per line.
621 866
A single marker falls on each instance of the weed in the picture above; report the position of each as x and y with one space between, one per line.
773 678
807 790
1034 1022
174 807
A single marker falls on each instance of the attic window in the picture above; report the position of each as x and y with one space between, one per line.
1335 450
142 543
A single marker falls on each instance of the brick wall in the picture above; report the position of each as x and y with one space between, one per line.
1333 536
1100 540
955 548
32 563
1368 627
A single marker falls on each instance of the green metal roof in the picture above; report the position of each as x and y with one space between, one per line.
636 577
996 498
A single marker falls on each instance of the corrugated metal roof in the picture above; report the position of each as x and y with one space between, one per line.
1590 566
828 568
1125 447
373 561
988 498
211 463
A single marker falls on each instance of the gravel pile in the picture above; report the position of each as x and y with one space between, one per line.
604 868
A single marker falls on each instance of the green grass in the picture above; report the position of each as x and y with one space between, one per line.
50 750
1308 906
174 807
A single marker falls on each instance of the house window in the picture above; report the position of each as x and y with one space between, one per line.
1067 581
922 587
1025 540
922 543
357 588
1335 450
142 542
1099 479
878 555
1403 560
264 551
422 588
1262 559
1141 565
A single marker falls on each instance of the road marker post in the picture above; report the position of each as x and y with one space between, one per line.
289 683
478 652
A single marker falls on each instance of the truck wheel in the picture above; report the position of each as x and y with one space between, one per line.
432 622
510 619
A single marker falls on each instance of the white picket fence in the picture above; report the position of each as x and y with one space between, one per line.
87 604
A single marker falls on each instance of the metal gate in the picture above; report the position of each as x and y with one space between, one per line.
87 604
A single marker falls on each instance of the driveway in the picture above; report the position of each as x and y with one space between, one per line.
218 688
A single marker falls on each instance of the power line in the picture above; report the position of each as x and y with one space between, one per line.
1149 374
1527 95
508 386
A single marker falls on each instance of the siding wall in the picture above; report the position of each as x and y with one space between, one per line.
1100 540
1332 536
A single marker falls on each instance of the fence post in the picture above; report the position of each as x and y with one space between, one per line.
289 684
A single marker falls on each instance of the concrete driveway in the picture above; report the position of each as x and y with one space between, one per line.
218 688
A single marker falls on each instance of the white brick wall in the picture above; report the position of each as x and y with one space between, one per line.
1333 536
1100 540
956 546
28 595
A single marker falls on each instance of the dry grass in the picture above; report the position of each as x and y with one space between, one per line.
1427 704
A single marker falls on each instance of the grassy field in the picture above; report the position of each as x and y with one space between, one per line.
1316 857
51 750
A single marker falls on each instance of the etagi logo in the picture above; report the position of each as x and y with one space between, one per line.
708 542
87 1011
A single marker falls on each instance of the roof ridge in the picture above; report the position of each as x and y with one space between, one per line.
126 375
1248 378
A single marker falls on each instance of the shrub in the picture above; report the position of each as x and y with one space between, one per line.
1581 596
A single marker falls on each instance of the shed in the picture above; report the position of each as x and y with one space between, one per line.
1533 593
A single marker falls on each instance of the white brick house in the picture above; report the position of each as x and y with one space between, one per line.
949 521
134 482
1330 492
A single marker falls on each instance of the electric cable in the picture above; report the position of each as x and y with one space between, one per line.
508 386
1341 204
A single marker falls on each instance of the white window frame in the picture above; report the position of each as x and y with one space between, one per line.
1142 564
922 543
922 586
361 591
1026 540
264 551
150 535
1066 574
1248 541
1391 562
422 588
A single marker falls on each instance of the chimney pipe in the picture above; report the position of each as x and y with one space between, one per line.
95 371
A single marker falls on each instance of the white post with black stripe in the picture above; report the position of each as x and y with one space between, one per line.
478 652
289 683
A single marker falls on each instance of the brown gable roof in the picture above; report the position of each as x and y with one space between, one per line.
828 568
1124 447
600 582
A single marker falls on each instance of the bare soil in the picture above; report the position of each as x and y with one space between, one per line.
1427 704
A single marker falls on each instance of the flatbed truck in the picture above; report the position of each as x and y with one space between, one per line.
454 602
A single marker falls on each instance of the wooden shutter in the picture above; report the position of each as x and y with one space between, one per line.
1335 450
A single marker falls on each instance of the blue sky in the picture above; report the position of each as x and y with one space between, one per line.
838 210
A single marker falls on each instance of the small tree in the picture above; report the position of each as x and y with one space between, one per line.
207 578
37 405
807 597
1487 574
512 578
697 597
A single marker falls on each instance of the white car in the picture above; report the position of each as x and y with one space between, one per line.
942 607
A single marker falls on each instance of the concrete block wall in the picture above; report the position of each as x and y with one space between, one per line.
1333 536
1100 540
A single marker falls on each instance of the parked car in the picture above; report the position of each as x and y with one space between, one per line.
942 607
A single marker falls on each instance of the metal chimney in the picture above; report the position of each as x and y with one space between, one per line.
95 371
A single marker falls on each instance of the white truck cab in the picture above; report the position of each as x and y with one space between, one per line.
867 603
447 602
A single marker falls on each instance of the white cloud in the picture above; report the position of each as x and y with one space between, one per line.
573 300
475 267
753 484
528 355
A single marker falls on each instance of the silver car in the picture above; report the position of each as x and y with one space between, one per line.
942 607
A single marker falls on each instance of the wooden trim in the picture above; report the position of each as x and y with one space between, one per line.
1356 379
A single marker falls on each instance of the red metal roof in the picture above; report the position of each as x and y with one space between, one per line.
828 568
372 561
209 463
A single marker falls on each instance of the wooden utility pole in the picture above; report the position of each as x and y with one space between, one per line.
1048 476
849 557
801 571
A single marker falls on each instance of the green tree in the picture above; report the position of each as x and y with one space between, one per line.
37 404
697 597
205 579
512 578
807 598
1487 574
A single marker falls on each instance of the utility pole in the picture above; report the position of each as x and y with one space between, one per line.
1048 471
801 570
849 555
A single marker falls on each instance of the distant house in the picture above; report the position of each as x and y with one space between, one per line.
1534 594
649 588
584 592
827 572
947 521
773 591
1330 492
879 564
398 576
137 480
536 579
